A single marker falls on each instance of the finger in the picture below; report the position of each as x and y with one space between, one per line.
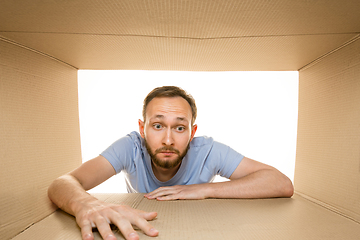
157 191
150 194
86 232
135 217
104 229
125 228
149 215
166 194
144 225
168 197
146 215
163 192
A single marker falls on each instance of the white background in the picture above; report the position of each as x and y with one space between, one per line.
255 113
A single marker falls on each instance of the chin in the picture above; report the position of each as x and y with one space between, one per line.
166 163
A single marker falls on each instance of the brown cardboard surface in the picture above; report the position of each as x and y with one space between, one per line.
328 146
193 19
39 133
294 218
280 53
182 35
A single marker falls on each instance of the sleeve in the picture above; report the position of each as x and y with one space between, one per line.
227 159
120 153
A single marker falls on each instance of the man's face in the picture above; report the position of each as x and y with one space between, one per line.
167 130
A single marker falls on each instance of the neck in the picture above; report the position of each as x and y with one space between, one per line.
164 174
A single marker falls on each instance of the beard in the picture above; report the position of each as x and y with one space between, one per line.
167 164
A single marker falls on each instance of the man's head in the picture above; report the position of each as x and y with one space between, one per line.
169 113
170 91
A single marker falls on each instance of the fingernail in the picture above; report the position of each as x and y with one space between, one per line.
132 235
87 236
153 230
110 237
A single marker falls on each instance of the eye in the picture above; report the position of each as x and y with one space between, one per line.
157 126
180 128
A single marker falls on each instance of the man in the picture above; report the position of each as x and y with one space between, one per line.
166 162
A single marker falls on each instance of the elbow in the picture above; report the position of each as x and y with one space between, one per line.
53 189
289 192
56 190
287 189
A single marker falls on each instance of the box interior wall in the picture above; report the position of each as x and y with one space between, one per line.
39 132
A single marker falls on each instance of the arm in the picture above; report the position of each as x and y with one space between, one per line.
251 179
69 193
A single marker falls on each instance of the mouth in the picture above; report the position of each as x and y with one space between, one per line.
167 153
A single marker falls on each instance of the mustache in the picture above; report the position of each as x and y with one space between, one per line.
167 148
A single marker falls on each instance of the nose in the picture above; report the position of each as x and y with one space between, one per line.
168 139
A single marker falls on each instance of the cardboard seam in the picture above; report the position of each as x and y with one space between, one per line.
26 228
178 37
56 209
317 60
327 206
25 72
135 204
35 51
35 222
107 196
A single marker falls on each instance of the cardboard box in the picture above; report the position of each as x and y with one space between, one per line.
43 44
284 218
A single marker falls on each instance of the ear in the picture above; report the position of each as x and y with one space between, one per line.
141 128
193 131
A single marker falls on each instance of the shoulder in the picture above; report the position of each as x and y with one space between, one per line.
135 137
129 140
123 152
211 150
202 141
205 147
124 147
207 143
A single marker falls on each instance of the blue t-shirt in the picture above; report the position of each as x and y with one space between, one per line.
204 160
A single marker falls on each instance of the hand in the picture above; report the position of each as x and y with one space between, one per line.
195 191
100 214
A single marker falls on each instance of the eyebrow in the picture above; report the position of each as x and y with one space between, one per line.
159 116
181 119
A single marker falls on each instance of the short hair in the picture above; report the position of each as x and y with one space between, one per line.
171 91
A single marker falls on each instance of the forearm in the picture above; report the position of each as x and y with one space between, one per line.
265 183
67 193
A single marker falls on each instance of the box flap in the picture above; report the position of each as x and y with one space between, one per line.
39 133
293 218
182 35
328 145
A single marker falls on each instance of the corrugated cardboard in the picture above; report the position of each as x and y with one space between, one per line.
280 53
200 35
328 145
39 133
43 43
294 218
